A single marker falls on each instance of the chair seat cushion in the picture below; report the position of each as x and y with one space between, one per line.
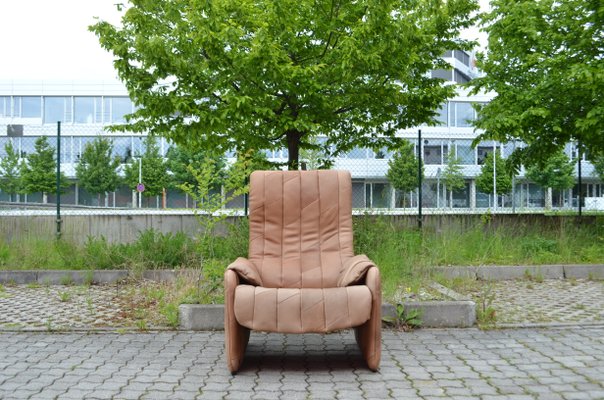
293 310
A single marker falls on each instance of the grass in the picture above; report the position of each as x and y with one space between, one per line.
405 255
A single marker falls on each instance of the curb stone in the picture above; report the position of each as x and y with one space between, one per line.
78 277
505 272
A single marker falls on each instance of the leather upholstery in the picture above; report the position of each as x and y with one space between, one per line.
301 274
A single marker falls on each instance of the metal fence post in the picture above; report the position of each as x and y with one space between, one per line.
59 179
419 178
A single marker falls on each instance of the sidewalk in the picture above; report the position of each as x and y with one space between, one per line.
425 364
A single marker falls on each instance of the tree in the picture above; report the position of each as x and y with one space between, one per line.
503 175
557 173
597 161
154 170
545 62
402 169
10 180
97 169
179 158
38 172
453 175
270 74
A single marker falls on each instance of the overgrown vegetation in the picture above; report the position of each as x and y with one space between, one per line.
404 255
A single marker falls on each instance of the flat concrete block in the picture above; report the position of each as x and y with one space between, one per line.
109 276
18 277
445 314
160 275
201 317
457 272
584 271
497 273
61 277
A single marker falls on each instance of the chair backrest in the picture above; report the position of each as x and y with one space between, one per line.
300 226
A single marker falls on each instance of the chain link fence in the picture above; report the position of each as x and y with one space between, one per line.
451 180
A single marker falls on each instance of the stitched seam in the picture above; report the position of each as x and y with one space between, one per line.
319 229
339 220
282 224
264 221
300 235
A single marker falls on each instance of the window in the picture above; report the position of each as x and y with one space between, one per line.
445 74
5 106
442 115
482 152
357 153
84 110
434 151
462 114
31 107
463 57
57 109
465 152
120 106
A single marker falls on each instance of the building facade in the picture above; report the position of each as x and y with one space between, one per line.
29 110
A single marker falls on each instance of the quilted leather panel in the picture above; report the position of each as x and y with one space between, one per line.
293 310
300 227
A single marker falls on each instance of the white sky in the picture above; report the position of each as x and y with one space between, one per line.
49 39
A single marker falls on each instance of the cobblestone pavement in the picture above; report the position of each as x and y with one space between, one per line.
547 301
519 364
60 307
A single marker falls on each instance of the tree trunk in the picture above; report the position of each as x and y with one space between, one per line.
293 149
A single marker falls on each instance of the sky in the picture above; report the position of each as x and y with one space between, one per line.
49 39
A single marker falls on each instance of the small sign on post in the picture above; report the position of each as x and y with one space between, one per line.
140 187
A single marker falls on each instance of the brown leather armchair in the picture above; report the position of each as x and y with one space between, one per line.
301 275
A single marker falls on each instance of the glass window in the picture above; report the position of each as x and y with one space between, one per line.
57 109
122 148
465 152
482 152
380 195
120 106
464 114
442 114
31 107
5 106
432 152
84 110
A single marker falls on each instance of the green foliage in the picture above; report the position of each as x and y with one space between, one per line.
97 169
402 169
484 181
154 170
269 75
10 180
544 61
598 162
210 203
557 172
179 158
405 320
38 173
453 176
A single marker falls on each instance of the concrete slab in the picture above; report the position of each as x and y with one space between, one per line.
503 272
18 277
61 277
109 276
456 272
434 314
201 317
584 271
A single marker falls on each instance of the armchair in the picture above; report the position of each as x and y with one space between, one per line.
301 274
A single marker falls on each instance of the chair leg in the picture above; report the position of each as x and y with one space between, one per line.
369 335
236 336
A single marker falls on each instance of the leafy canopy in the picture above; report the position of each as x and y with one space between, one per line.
545 62
97 169
503 175
403 168
10 180
558 172
38 172
453 173
154 170
264 74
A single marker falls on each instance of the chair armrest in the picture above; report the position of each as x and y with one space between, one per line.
354 270
246 270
